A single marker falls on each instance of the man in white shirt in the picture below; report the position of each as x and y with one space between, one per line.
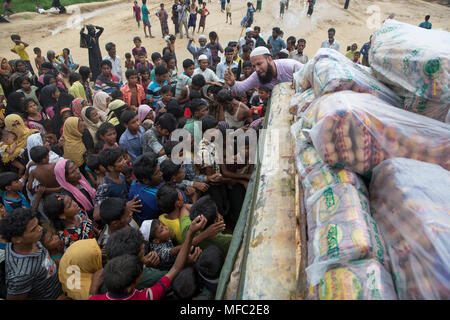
114 59
210 77
298 54
243 40
331 42
228 62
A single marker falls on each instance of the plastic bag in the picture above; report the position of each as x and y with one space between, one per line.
410 202
301 101
323 176
357 131
340 229
307 160
355 280
330 71
416 61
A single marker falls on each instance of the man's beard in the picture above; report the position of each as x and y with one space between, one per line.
268 76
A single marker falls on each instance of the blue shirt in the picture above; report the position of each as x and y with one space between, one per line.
144 12
365 49
132 143
425 25
153 90
277 44
11 204
147 195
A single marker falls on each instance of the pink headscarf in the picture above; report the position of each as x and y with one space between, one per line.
60 173
143 111
77 106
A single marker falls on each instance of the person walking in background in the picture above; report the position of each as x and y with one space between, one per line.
183 10
311 4
228 10
426 24
248 19
193 16
137 13
258 5
282 7
203 13
365 52
163 17
222 5
145 19
7 8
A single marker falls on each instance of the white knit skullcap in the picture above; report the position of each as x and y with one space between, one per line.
202 37
203 57
249 30
258 51
284 51
145 229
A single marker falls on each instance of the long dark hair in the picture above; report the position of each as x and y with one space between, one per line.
53 207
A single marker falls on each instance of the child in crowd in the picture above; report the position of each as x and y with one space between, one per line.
106 136
206 207
30 91
144 77
356 57
129 64
116 214
50 240
161 79
39 59
19 48
198 109
8 145
44 172
131 139
114 183
171 202
145 19
216 61
185 78
95 172
138 48
133 92
10 187
208 266
157 60
155 138
166 97
203 14
39 279
149 178
142 61
260 100
67 219
35 118
173 174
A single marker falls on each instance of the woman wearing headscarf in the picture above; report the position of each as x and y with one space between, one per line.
35 140
92 119
21 71
90 40
14 123
15 104
115 111
145 112
101 102
86 74
74 147
75 185
5 74
77 105
87 256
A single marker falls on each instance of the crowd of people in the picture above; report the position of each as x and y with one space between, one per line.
127 175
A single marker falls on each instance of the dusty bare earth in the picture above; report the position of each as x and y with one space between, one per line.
352 25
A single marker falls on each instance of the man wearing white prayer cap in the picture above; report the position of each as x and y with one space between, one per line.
248 36
268 72
210 76
202 49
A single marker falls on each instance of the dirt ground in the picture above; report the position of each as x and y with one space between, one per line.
352 25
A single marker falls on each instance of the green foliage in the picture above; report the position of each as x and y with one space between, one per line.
30 5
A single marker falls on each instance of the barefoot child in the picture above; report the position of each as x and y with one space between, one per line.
137 13
19 48
145 19
203 13
228 11
39 59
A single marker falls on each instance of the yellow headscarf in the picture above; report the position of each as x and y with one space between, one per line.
22 132
80 261
74 148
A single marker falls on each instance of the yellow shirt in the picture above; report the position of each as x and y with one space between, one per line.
350 54
173 225
228 8
20 50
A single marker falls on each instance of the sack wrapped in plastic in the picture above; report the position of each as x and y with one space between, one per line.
301 101
323 176
357 131
355 280
330 71
410 202
340 228
416 62
307 160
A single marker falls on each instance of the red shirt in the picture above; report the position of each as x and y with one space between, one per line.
154 293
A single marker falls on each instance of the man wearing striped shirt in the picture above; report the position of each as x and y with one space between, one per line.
31 274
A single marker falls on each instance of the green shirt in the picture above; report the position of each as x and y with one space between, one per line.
193 126
221 240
